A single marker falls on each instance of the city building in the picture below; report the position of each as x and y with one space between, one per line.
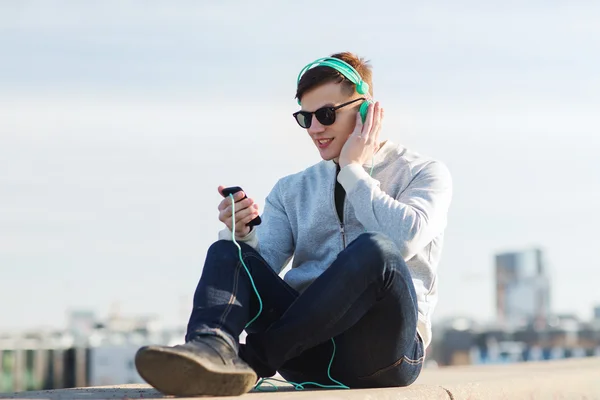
522 289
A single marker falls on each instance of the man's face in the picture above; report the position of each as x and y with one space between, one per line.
330 139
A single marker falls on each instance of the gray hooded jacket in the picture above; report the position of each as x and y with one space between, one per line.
407 198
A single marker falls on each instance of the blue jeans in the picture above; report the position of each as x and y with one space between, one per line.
365 300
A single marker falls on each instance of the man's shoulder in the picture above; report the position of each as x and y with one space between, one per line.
308 173
414 162
410 156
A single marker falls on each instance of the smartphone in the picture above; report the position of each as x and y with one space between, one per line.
235 189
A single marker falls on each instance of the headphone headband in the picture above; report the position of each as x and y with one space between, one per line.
342 67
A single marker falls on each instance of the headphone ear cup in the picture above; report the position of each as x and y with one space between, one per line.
364 109
362 87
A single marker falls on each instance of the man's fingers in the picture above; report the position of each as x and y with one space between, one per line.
381 114
240 215
242 218
236 196
226 202
224 215
227 222
239 206
243 204
242 221
374 136
358 126
245 211
367 129
244 207
249 218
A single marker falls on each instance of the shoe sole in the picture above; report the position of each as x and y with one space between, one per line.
180 374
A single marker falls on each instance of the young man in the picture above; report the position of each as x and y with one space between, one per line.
365 229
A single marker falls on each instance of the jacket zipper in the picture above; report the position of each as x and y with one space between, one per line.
342 229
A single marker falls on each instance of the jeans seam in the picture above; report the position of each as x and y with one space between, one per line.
233 295
382 370
413 362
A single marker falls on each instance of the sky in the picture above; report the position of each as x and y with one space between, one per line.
119 119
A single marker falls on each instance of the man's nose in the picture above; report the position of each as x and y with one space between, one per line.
315 126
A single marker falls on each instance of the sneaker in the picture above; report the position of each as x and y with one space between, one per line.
205 366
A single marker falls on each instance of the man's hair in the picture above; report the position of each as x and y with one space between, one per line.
320 75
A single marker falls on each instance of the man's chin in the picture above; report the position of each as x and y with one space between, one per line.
328 155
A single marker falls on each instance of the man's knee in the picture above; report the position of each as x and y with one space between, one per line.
377 251
222 247
227 248
377 245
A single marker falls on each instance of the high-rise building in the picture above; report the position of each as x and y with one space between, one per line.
522 289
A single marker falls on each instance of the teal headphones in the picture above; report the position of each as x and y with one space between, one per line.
348 71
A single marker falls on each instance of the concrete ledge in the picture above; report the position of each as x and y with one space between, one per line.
565 379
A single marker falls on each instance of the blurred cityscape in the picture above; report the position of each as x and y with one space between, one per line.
525 329
94 352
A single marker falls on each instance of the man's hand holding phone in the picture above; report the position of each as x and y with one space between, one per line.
246 210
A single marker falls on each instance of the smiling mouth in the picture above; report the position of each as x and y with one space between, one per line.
324 141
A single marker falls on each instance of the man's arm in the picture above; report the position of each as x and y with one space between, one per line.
415 218
273 238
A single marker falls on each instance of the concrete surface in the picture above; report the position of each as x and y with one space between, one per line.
565 379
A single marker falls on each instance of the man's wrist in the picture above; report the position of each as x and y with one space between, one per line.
350 175
346 163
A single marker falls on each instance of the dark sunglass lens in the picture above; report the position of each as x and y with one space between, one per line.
303 119
325 115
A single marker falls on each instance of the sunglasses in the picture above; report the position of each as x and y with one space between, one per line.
325 115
